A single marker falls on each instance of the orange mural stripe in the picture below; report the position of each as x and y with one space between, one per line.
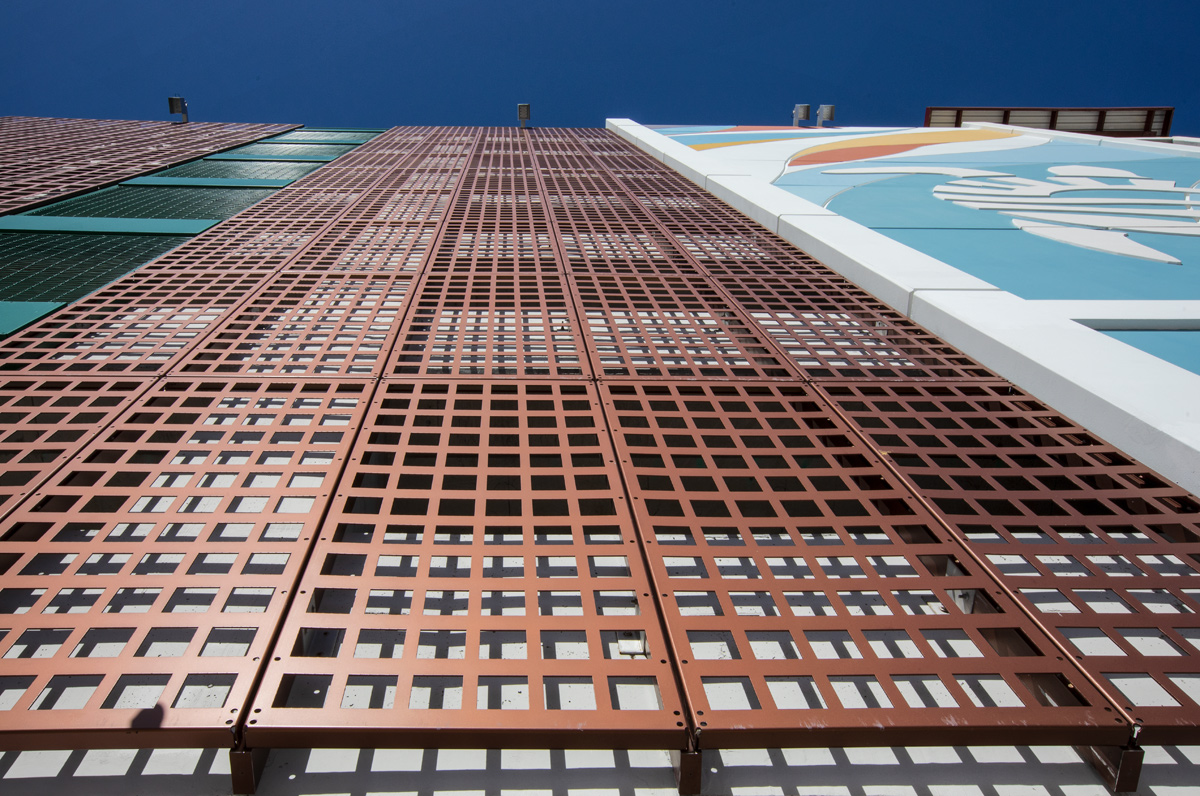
857 153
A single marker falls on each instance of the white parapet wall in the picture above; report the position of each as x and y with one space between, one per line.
1055 350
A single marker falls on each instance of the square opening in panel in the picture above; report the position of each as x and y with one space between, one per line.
634 693
924 691
798 692
39 642
502 644
832 644
713 645
809 603
331 601
369 692
384 601
430 692
730 693
302 690
860 692
753 603
228 642
616 603
989 691
892 644
191 600
564 645
1051 689
317 642
951 643
569 693
12 689
204 691
136 692
67 692
772 645
560 603
102 642
625 644
166 642
445 644
248 600
446 603
379 643
502 603
503 693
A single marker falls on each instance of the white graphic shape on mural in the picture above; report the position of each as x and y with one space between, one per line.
1066 208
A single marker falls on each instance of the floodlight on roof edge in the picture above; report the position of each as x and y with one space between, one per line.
799 114
178 105
523 113
825 114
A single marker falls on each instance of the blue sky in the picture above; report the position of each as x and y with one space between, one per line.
371 63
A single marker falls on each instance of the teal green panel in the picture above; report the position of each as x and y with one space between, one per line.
60 266
130 226
167 202
341 129
17 314
333 141
1178 346
293 158
202 182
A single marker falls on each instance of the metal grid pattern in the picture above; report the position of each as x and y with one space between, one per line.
135 201
305 322
471 323
47 266
44 159
46 421
142 585
478 558
449 303
669 326
146 320
807 595
1098 547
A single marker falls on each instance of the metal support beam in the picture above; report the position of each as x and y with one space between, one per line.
1120 766
689 770
246 767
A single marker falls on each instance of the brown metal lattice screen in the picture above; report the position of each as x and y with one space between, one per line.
48 159
517 438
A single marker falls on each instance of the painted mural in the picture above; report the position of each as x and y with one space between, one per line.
1039 217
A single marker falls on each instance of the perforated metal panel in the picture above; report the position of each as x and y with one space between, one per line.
46 159
603 463
153 568
46 420
810 599
1098 547
477 582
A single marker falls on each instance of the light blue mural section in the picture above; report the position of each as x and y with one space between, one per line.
1180 347
1035 268
1091 232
